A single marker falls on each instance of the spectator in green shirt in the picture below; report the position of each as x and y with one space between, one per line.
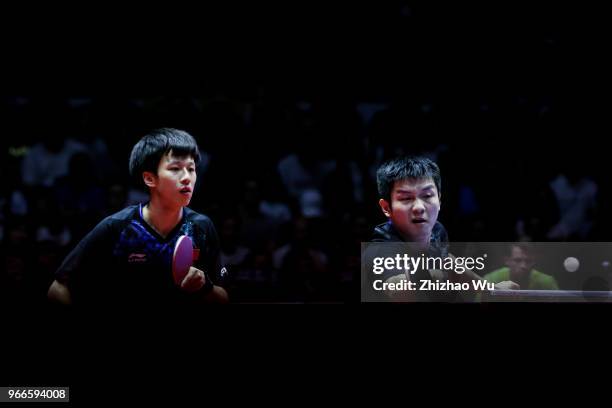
519 269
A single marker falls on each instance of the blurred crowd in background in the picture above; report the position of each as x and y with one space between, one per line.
289 180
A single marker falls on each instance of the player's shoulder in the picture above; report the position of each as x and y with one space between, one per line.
112 224
198 218
119 218
124 215
439 233
385 233
498 275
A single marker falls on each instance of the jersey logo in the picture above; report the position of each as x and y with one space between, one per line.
137 258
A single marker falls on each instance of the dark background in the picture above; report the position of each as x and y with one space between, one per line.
506 99
451 56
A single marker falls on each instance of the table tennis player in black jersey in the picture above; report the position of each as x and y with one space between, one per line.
410 198
126 260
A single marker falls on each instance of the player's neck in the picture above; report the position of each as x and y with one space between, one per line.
421 242
162 219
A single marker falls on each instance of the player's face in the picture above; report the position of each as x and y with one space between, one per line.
519 262
414 208
176 177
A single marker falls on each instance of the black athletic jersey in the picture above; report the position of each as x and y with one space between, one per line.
124 260
386 233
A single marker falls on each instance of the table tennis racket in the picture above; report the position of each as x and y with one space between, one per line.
182 260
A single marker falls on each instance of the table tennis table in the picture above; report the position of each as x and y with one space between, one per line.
548 296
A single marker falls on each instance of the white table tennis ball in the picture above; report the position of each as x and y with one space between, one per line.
571 264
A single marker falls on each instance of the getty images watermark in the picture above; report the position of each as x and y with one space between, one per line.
486 271
403 264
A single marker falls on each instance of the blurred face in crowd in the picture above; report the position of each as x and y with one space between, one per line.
520 263
414 208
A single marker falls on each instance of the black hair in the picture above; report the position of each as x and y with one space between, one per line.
403 168
147 153
526 247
